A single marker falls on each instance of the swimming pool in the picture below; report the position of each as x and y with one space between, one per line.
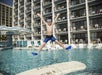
16 61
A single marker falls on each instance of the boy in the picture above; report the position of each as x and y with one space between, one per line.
49 36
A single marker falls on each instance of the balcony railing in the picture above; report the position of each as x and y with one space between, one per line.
37 24
78 29
61 31
37 33
21 2
62 19
95 12
60 8
47 2
95 27
36 0
59 1
21 20
36 7
77 41
28 4
76 2
15 3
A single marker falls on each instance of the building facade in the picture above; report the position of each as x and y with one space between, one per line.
80 21
5 20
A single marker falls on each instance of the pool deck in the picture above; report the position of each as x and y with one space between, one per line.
56 69
98 46
1 74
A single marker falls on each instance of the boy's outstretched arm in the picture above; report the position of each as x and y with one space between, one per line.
55 20
42 18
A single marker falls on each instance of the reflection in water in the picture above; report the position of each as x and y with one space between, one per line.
89 58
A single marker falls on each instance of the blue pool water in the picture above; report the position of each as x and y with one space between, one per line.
16 61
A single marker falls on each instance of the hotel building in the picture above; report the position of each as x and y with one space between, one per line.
5 20
80 21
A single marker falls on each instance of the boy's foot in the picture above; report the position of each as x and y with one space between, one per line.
69 47
35 53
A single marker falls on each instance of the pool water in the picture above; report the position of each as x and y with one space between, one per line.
16 61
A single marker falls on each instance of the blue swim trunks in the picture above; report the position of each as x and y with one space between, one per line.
49 37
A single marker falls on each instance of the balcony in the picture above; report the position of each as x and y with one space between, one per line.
94 2
28 19
96 27
36 1
60 8
16 3
78 41
21 14
47 3
28 4
37 7
81 29
48 11
28 1
37 25
62 19
91 0
22 25
36 17
78 14
21 7
37 33
21 20
28 10
15 22
95 13
28 26
48 14
61 31
16 7
97 39
79 38
59 1
15 10
28 36
22 2
22 11
74 3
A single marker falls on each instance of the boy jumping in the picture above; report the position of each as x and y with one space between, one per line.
49 36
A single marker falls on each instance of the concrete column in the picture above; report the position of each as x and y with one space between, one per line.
24 18
1 16
41 21
5 15
68 22
18 18
13 20
32 19
87 19
53 15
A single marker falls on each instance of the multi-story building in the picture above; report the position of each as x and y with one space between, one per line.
5 20
79 20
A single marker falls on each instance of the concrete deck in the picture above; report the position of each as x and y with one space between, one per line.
1 74
56 69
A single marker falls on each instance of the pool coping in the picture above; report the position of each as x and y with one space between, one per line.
56 69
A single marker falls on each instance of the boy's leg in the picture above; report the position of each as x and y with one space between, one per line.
53 39
65 48
40 48
57 42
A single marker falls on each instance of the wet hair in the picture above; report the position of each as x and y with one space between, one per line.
49 20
